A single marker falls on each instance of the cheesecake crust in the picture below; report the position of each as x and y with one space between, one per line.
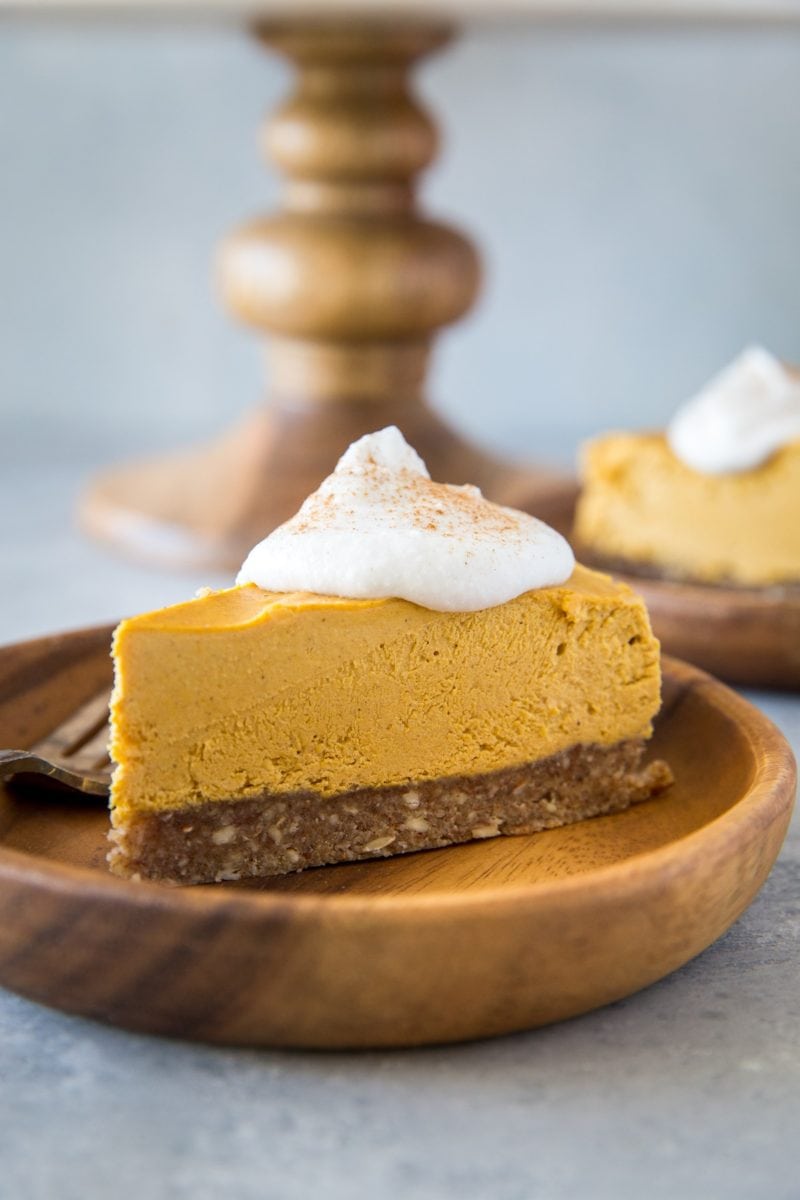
278 833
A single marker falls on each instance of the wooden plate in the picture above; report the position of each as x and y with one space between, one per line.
452 944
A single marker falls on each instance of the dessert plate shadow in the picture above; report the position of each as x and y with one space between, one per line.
477 940
748 636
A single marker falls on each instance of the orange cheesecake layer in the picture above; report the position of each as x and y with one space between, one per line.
641 505
244 691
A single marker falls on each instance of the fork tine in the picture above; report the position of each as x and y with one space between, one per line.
79 727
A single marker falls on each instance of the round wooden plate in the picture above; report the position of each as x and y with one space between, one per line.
476 940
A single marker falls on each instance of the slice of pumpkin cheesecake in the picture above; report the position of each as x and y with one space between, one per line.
714 498
260 730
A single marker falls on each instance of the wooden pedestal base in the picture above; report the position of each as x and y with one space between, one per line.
206 506
351 282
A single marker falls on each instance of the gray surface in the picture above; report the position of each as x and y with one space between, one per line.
635 191
689 1089
639 211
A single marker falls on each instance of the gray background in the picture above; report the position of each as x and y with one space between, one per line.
636 193
638 196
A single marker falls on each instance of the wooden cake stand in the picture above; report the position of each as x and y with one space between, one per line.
351 282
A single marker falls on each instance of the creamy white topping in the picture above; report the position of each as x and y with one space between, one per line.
379 527
740 418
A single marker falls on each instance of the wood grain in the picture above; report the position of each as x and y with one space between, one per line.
443 946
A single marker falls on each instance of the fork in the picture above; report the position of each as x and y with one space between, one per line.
75 753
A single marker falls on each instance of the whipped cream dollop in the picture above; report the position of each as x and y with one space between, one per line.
740 418
379 527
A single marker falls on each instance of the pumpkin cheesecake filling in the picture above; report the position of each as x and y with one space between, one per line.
642 509
257 732
715 497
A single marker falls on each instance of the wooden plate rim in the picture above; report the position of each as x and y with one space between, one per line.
770 795
742 600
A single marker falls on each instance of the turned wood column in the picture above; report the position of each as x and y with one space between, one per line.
348 283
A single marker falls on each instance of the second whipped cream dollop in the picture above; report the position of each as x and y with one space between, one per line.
739 419
379 527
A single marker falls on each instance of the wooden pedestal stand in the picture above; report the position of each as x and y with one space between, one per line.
351 282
